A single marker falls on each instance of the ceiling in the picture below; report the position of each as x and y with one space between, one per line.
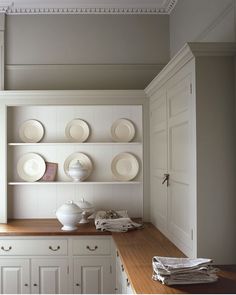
87 6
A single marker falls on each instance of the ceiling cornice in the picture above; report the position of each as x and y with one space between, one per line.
87 6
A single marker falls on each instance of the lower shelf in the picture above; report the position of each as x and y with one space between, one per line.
72 183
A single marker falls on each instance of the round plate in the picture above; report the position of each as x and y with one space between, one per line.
31 167
122 130
77 130
125 166
84 160
31 131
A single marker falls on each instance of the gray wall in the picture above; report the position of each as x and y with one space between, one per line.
138 42
202 21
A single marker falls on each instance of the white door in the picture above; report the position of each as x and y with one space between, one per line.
93 275
179 161
14 276
50 276
158 159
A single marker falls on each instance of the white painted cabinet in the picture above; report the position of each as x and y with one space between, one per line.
49 276
93 275
192 141
14 276
123 285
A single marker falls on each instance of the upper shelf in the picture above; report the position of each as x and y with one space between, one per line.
71 143
71 182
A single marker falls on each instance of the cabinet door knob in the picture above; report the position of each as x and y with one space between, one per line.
128 283
54 249
26 285
6 250
35 285
77 284
91 249
122 267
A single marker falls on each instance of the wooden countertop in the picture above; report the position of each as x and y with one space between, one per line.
136 249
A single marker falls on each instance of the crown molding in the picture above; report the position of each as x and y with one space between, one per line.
87 7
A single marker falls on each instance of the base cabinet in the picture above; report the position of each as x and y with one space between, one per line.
123 285
93 275
14 276
49 276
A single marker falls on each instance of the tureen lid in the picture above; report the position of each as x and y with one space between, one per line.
84 204
69 207
77 165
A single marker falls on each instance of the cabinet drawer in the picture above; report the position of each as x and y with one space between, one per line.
91 246
33 247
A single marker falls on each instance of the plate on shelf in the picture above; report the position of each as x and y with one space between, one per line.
77 130
31 167
82 158
125 166
31 131
122 130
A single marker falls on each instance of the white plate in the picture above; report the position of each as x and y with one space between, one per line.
125 166
84 160
31 131
31 167
122 130
77 130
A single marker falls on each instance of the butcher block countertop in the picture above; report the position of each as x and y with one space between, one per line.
136 249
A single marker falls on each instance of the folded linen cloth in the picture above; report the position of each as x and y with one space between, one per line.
114 221
170 270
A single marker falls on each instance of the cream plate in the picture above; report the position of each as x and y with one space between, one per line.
31 167
84 160
122 130
31 131
77 130
125 166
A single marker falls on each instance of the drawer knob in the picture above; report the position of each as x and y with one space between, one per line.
54 249
35 285
92 249
6 250
26 285
77 284
122 267
128 283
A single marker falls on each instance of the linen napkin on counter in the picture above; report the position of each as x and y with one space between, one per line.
174 271
115 221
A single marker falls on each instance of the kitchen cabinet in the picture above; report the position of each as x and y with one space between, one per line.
192 150
123 285
93 265
83 265
55 109
14 276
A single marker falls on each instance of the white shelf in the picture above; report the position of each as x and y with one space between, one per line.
71 143
72 183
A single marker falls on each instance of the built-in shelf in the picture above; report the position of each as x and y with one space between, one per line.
71 143
72 183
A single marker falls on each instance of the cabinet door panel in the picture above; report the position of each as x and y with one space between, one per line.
49 276
158 160
93 275
14 276
179 145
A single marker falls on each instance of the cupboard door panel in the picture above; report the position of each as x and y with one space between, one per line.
158 160
93 275
49 276
14 276
179 144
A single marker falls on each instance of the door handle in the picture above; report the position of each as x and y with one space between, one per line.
166 179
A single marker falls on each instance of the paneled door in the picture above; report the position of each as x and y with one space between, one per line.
49 276
93 275
158 159
179 169
14 276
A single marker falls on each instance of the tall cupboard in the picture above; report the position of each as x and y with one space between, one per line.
192 151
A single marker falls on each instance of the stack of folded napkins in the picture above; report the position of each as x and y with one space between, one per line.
175 271
115 221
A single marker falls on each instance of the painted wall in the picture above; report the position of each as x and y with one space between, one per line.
85 51
202 21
